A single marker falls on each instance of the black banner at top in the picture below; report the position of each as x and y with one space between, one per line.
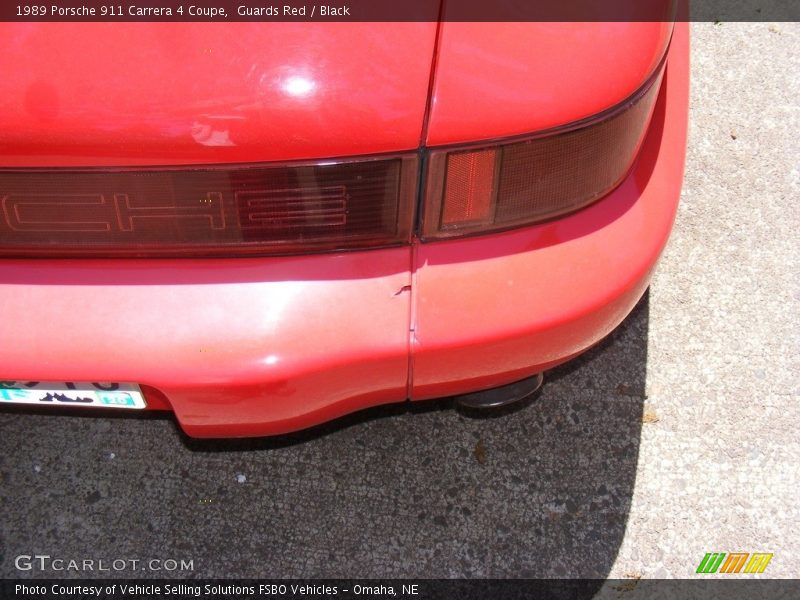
399 10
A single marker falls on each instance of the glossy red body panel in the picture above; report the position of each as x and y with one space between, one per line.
494 309
187 93
503 79
237 347
268 345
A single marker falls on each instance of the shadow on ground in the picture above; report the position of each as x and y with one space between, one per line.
393 492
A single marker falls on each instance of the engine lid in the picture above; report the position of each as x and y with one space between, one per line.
154 93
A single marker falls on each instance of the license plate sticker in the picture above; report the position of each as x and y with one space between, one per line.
72 393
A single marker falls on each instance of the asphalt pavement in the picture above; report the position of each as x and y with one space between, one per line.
675 437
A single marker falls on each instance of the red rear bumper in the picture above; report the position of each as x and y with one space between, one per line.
265 346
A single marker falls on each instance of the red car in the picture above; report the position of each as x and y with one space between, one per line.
262 227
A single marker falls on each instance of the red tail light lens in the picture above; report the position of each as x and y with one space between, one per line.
522 182
242 210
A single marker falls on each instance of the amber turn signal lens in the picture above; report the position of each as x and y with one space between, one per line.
469 197
525 181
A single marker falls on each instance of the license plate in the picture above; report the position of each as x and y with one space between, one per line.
72 393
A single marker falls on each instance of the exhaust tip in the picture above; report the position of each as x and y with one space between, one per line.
500 397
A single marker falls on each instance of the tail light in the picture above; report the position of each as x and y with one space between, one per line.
241 210
516 183
311 207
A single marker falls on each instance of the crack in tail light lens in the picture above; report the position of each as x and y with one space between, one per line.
511 184
210 211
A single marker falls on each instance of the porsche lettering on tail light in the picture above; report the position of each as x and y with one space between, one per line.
231 211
